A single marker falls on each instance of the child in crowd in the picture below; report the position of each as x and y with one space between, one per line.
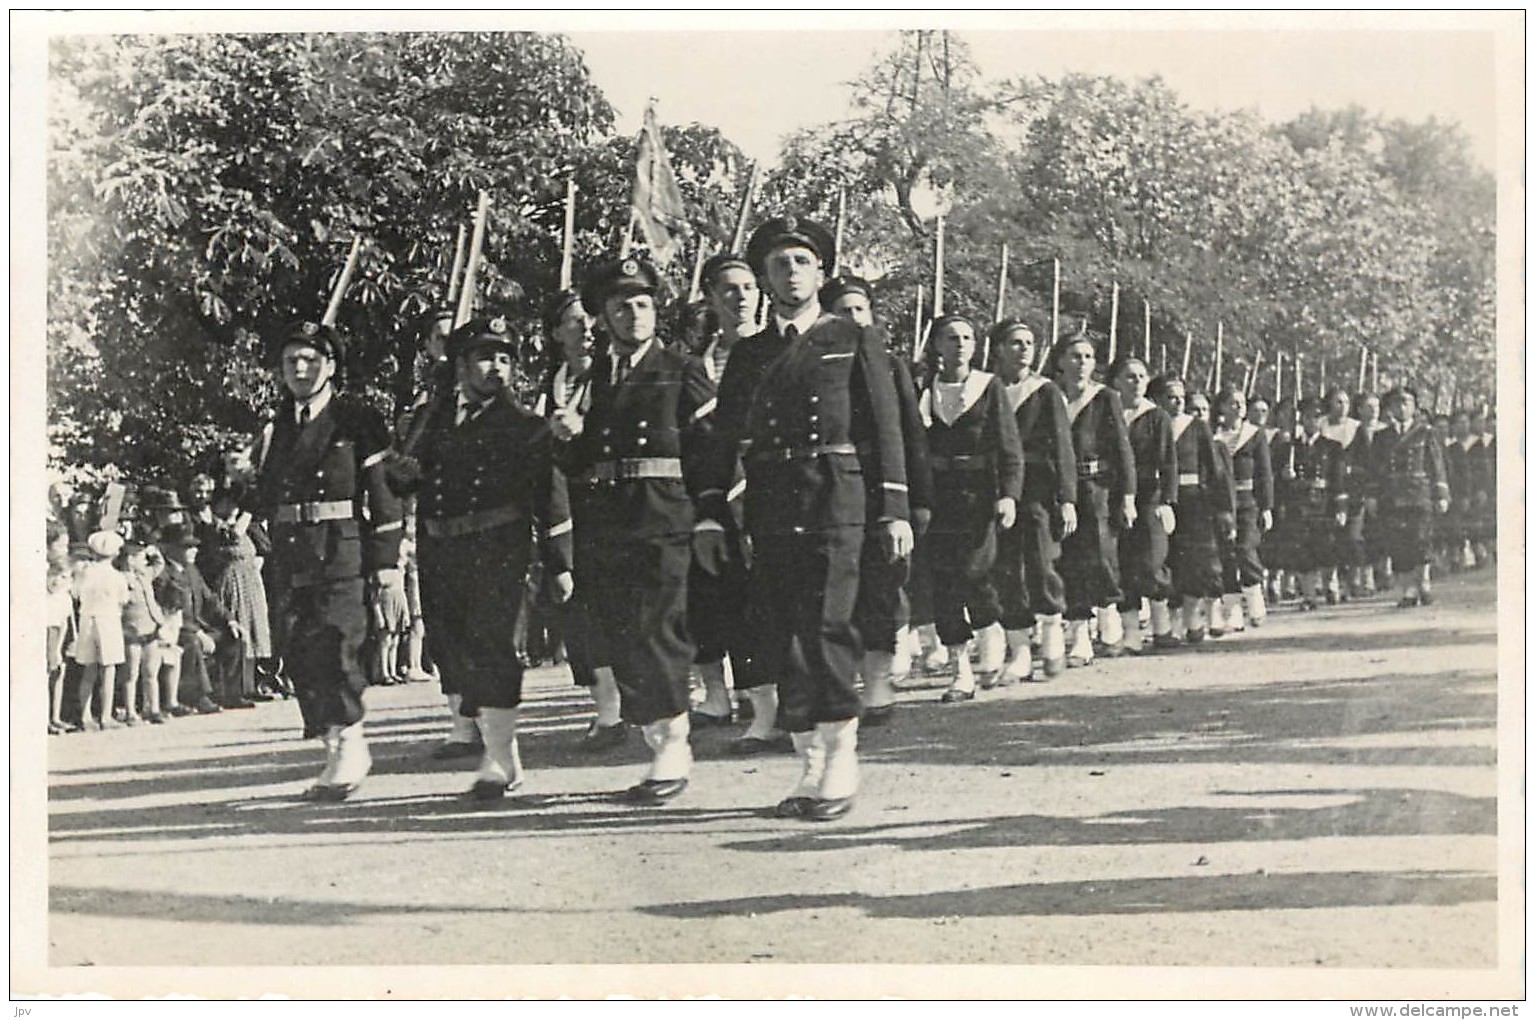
144 634
60 618
391 619
99 648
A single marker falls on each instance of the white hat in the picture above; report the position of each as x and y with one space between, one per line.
105 544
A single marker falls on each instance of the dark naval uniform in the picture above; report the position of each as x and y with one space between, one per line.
817 418
1143 548
633 475
1311 491
883 608
585 650
1028 582
1411 480
976 460
487 483
1105 475
1253 480
1206 510
333 520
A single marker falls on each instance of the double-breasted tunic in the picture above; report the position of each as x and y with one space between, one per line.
486 486
635 476
333 519
1410 479
1310 491
815 420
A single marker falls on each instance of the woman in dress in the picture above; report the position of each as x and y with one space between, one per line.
242 546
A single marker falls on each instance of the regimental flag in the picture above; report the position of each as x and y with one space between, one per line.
656 200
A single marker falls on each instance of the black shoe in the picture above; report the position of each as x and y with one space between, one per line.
1409 601
488 790
743 746
953 696
793 807
605 738
237 703
829 810
877 715
703 720
458 749
260 696
1164 642
180 710
1425 598
207 707
332 794
653 792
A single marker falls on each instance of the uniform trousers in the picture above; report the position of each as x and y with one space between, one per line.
1089 561
717 611
1143 565
584 648
323 627
882 608
1027 581
636 591
803 590
1194 548
1241 566
964 597
1407 534
472 588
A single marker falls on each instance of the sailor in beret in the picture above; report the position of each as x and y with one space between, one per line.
821 436
883 613
486 483
1412 488
336 527
632 457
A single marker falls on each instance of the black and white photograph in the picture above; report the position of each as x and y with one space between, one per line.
840 506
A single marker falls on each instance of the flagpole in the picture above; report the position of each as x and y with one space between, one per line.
836 253
1300 379
1001 286
739 237
1055 305
1114 323
694 293
457 269
628 242
466 295
568 237
342 282
938 270
1220 352
1321 389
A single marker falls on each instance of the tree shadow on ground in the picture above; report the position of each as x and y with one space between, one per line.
1192 894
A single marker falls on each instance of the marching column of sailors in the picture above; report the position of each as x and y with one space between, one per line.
784 509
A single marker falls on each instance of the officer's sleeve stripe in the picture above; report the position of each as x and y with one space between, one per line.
705 409
377 458
391 526
896 486
735 491
559 529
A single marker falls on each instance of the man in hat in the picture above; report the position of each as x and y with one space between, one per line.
883 612
812 405
335 526
717 580
632 459
181 589
486 479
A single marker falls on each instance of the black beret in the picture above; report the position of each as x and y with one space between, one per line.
840 286
789 230
481 332
717 264
621 276
562 300
322 338
1006 328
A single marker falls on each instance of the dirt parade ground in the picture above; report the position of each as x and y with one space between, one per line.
1316 803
